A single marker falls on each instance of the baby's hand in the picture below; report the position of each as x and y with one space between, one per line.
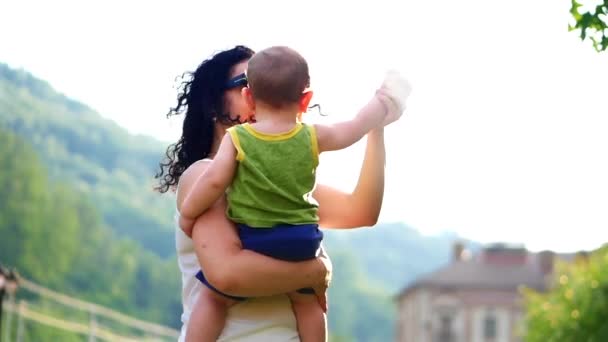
186 225
391 108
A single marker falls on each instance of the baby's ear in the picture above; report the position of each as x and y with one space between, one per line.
248 96
305 101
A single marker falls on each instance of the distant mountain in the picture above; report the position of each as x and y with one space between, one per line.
113 172
93 154
393 254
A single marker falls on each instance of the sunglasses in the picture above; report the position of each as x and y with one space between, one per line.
236 81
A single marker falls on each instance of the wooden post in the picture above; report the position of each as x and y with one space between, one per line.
20 321
7 327
2 293
92 325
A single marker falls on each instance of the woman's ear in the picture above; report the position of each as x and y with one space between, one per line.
305 101
248 96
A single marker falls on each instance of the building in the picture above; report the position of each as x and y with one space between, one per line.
473 298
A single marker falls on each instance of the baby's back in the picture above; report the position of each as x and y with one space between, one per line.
275 177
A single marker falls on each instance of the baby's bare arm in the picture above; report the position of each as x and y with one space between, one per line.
343 134
387 104
212 184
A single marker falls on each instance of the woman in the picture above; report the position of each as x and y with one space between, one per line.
212 102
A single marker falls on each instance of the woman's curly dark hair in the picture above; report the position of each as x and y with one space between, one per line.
201 98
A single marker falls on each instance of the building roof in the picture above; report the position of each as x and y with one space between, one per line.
474 275
498 266
480 275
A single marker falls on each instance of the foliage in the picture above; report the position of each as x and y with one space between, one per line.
53 235
576 307
591 24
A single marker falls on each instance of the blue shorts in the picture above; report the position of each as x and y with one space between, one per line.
283 242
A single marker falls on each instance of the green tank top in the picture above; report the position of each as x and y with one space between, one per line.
275 177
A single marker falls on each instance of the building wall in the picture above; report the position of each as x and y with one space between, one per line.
502 317
448 305
414 312
421 310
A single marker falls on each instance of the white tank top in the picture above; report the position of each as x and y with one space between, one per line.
266 319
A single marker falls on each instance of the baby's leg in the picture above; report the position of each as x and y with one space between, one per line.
312 324
208 316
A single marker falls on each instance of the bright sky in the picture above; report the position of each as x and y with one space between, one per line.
504 138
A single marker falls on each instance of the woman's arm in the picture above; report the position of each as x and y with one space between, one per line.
338 209
245 273
241 272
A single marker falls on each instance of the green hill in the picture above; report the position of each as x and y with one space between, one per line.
93 154
53 234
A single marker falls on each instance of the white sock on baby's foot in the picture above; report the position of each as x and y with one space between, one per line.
397 87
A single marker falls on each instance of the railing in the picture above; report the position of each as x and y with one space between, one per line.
25 310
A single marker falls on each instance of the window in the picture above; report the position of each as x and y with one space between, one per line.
445 329
489 327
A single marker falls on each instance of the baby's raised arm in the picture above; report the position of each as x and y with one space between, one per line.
388 100
343 134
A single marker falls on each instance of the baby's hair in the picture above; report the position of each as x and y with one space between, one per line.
278 76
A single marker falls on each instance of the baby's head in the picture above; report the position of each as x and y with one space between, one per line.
277 77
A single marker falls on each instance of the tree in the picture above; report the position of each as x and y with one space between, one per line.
54 235
576 307
591 25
